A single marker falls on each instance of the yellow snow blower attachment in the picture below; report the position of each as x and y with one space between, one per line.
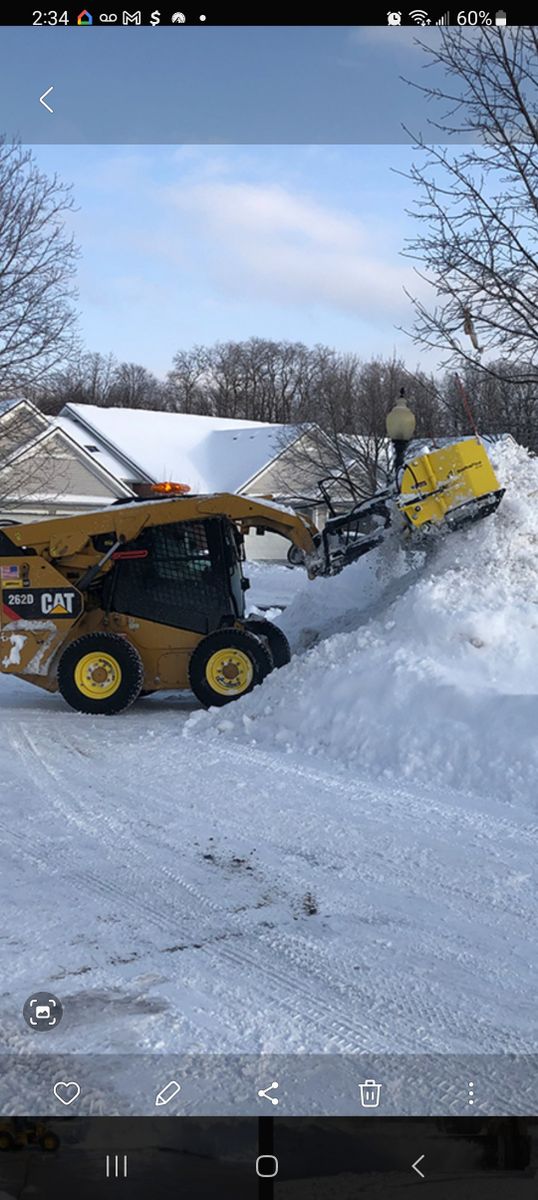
450 486
456 483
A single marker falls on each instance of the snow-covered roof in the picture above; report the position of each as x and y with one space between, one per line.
208 453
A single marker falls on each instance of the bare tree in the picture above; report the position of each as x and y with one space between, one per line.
477 206
352 399
502 400
186 388
99 379
133 386
37 264
258 380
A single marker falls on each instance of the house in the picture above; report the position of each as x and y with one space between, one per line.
44 472
89 456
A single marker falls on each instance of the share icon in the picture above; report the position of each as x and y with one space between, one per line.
263 1093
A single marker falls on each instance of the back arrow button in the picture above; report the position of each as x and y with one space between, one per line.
415 1167
42 99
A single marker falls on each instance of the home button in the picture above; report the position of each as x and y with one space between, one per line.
267 1166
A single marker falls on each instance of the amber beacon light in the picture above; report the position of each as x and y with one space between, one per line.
170 489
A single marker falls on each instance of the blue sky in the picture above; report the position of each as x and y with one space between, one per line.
185 245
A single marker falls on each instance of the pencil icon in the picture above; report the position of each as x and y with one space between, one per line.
167 1093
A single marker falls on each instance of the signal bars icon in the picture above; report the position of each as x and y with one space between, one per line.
444 20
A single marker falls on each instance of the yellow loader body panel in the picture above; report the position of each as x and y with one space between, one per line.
38 609
131 591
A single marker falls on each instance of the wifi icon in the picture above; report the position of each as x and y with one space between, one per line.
420 17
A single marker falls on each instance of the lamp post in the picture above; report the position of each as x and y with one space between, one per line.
400 424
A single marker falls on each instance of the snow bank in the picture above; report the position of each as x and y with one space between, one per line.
417 664
272 586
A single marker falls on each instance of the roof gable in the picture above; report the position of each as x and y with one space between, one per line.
53 435
21 402
20 423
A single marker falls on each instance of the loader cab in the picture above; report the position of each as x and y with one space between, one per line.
186 574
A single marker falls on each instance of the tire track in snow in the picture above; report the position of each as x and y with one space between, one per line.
305 964
295 982
306 960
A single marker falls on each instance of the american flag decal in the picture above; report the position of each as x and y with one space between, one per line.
8 574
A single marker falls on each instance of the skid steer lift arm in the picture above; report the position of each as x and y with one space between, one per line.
67 541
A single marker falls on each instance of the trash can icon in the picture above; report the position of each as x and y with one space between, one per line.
370 1093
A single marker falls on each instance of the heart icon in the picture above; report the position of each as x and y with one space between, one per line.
66 1092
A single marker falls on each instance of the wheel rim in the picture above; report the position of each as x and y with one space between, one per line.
98 675
229 671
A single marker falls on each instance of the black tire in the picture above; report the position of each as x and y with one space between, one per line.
295 556
253 656
278 642
128 666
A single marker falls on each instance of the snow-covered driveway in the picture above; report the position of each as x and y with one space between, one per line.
343 861
182 894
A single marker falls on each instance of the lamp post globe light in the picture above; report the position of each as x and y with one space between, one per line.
400 424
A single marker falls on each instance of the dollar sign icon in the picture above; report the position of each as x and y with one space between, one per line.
155 18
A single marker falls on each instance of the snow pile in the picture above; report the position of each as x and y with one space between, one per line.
272 587
432 673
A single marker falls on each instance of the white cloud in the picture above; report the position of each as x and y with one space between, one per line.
271 211
265 241
398 38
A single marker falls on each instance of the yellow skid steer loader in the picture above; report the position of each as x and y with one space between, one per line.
150 595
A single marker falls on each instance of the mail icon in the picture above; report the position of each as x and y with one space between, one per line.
132 18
